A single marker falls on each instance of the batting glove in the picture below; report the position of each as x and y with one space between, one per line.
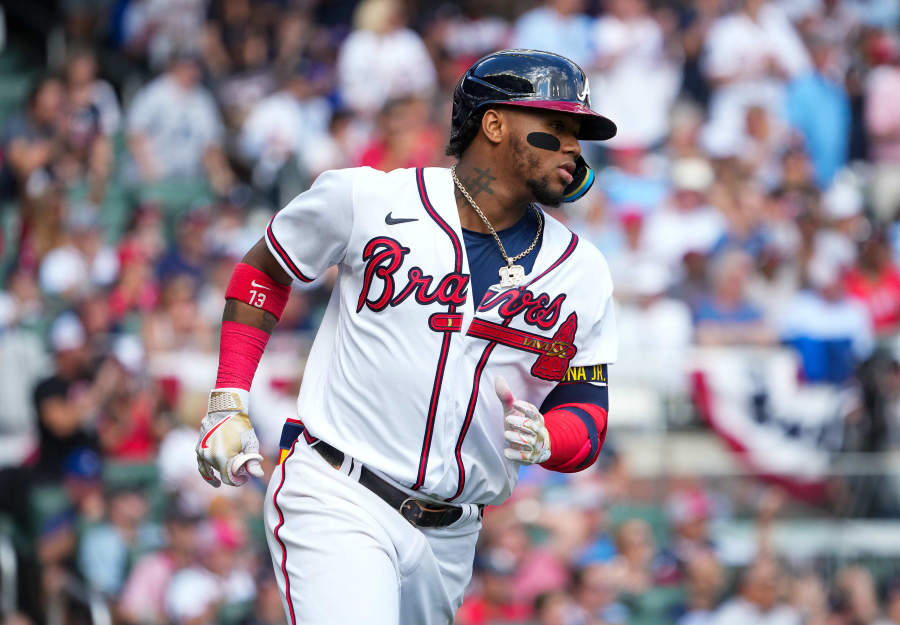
527 438
228 445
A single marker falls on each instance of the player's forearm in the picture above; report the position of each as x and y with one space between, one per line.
577 432
575 416
255 298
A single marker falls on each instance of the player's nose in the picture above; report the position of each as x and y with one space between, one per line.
570 146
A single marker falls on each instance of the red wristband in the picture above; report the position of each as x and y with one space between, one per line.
240 349
253 286
577 432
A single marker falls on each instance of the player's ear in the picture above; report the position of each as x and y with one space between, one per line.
493 125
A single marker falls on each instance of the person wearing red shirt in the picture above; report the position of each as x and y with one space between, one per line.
875 281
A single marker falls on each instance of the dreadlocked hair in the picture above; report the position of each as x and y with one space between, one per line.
464 136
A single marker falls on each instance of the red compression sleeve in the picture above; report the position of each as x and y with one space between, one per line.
241 345
577 432
255 287
240 349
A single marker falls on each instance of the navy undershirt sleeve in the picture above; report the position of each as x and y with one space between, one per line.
484 255
576 393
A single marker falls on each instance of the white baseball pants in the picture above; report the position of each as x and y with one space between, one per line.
342 556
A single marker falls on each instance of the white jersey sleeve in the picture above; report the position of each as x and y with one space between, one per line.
601 345
311 233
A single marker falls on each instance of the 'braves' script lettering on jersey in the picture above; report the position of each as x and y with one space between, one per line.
539 311
383 257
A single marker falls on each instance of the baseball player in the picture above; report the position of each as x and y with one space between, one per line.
468 334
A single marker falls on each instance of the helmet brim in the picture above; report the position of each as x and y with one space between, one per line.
594 126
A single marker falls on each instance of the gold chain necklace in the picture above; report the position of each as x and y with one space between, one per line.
511 275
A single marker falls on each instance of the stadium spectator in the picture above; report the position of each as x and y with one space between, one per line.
774 283
176 323
836 22
749 55
883 125
829 331
136 290
382 59
65 402
174 128
21 303
845 224
33 139
875 281
745 230
687 222
157 29
626 253
634 81
560 26
496 600
705 580
221 578
189 255
638 566
405 137
93 116
20 310
809 597
80 264
633 180
694 24
726 316
650 317
143 595
892 601
106 549
685 124
91 99
825 133
856 586
469 33
759 601
689 511
290 123
762 142
595 595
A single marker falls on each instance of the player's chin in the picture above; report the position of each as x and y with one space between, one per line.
548 191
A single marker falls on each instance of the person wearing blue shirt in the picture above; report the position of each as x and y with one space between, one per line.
725 316
559 26
818 107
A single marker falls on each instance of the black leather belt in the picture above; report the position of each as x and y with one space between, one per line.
419 512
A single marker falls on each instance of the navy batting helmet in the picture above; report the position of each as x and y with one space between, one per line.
530 79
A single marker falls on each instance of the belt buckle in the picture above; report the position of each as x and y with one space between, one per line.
411 510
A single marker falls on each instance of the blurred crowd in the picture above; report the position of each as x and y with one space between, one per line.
749 201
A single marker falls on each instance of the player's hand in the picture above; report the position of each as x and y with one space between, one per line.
228 445
527 438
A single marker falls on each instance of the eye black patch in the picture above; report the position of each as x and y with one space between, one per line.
544 141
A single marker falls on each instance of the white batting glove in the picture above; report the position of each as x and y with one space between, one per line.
228 444
527 438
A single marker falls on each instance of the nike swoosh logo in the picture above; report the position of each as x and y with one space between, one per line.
208 434
259 286
391 221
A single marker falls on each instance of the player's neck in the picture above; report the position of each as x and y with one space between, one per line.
500 204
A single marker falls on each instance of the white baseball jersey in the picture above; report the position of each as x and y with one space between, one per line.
401 372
